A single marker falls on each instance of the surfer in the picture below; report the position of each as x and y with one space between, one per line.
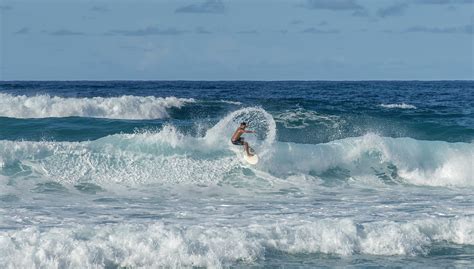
237 138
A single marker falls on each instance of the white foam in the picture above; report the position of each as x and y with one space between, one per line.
123 107
257 119
128 162
433 163
153 245
231 102
401 106
166 156
172 157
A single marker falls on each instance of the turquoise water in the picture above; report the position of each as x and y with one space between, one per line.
143 174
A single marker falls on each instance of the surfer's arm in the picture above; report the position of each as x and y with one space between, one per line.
250 132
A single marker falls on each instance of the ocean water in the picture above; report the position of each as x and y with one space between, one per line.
143 175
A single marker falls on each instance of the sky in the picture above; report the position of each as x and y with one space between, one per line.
237 40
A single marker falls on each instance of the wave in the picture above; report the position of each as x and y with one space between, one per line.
407 160
301 118
257 119
123 107
168 156
176 246
401 106
237 103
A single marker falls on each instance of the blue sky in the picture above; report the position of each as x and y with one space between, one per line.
237 40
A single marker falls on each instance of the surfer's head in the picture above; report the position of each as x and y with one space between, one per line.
243 125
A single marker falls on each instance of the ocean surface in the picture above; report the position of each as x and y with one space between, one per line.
127 174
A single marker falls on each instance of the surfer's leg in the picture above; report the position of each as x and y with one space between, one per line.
246 147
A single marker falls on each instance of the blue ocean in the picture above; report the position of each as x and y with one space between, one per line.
142 174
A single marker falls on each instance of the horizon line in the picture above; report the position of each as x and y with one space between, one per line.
231 80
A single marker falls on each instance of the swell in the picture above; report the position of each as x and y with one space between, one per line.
169 156
123 107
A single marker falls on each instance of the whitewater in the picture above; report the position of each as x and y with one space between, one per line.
110 177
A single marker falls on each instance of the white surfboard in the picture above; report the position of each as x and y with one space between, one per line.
251 159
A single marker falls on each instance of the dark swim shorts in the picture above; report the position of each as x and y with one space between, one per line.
238 142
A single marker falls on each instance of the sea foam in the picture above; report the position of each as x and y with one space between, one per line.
139 158
123 107
179 158
157 244
432 163
401 106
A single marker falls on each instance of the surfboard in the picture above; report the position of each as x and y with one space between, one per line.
251 159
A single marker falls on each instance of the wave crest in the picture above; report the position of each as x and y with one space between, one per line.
168 156
374 158
176 246
401 106
123 107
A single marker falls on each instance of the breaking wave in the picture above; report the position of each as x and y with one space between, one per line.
401 106
169 156
123 107
176 246
403 160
